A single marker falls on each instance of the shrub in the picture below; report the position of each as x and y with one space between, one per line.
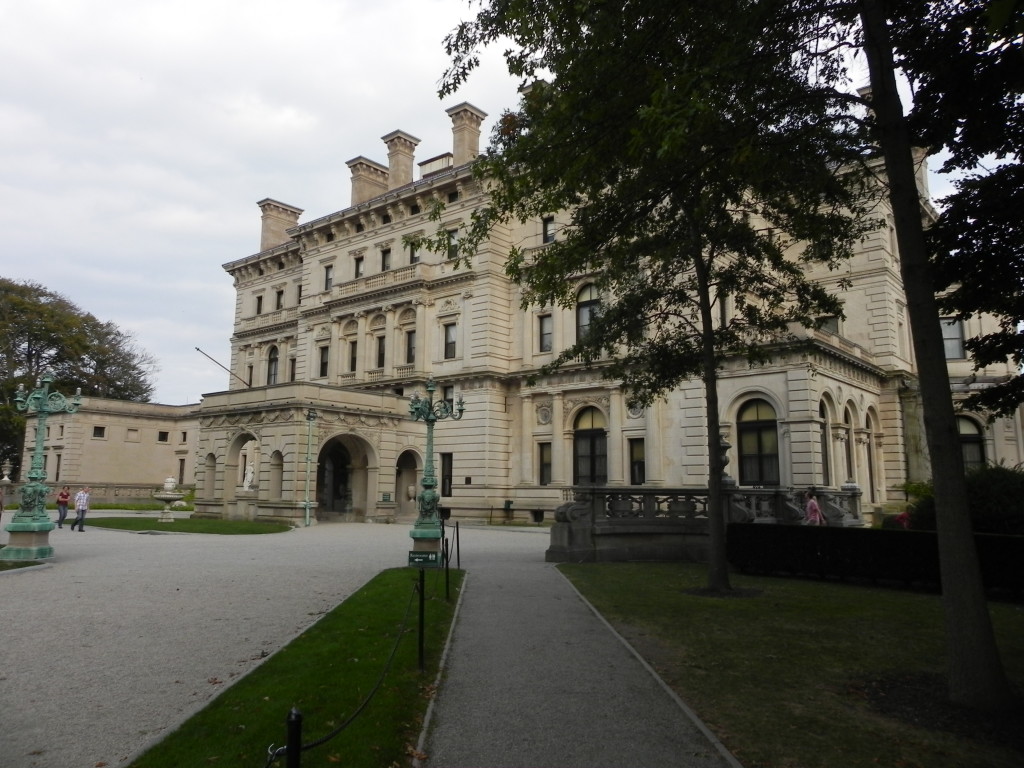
996 499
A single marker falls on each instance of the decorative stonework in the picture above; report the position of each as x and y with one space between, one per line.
544 414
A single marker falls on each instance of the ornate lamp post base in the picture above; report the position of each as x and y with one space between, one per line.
28 541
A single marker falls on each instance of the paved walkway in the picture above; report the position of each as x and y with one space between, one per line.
534 678
120 637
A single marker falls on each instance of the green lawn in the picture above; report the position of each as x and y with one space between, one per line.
187 525
807 674
327 673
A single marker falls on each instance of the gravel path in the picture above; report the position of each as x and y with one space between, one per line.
122 636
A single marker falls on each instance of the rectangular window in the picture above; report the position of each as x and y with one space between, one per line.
453 197
447 471
279 300
298 293
56 472
357 267
410 347
163 437
449 341
291 369
353 353
259 305
448 395
100 432
328 277
953 338
544 463
181 471
325 358
414 254
184 437
453 243
830 324
637 461
545 331
385 260
548 229
381 349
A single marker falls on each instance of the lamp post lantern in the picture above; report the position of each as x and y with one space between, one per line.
426 532
30 528
310 418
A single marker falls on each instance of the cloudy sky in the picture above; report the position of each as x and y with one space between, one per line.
137 135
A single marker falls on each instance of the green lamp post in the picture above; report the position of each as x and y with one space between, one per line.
426 532
30 528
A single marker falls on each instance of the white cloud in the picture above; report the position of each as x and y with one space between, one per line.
136 138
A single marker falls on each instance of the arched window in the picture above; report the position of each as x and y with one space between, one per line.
588 301
848 421
272 361
590 448
826 474
972 443
759 444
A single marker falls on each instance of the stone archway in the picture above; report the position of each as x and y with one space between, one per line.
346 479
407 477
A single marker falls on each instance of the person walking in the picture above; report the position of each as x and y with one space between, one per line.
63 498
812 512
81 507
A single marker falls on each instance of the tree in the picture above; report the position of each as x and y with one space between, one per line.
975 672
704 170
43 331
582 140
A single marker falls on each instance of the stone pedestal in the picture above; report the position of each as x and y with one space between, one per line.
28 541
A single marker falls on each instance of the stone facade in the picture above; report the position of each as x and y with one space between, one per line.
123 450
338 321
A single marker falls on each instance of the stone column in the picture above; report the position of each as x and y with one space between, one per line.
559 437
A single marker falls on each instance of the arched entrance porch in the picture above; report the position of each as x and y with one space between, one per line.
346 479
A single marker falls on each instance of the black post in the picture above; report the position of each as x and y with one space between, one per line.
293 756
447 557
423 580
458 549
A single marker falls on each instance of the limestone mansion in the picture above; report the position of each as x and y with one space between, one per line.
338 322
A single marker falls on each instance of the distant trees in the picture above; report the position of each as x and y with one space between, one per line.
43 331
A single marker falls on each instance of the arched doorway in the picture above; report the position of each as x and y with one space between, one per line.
346 479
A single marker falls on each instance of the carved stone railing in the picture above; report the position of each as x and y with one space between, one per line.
637 523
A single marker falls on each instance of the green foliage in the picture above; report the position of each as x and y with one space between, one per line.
996 498
966 61
699 162
326 673
189 525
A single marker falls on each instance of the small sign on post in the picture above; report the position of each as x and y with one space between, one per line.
427 559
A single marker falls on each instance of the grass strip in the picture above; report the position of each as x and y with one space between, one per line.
809 674
189 525
326 673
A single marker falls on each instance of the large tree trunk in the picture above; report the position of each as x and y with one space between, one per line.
976 676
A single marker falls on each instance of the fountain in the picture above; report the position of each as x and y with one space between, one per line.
168 496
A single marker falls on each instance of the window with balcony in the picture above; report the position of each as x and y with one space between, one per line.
410 347
279 300
543 463
259 305
353 356
385 259
414 254
328 277
381 350
357 267
272 363
453 243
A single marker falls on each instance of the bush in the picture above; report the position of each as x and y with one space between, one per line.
996 497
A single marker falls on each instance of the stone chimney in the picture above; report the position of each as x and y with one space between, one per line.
369 179
401 147
466 120
278 218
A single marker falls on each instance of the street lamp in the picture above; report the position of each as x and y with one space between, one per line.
310 418
30 528
427 530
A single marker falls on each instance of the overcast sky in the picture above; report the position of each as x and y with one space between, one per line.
136 137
